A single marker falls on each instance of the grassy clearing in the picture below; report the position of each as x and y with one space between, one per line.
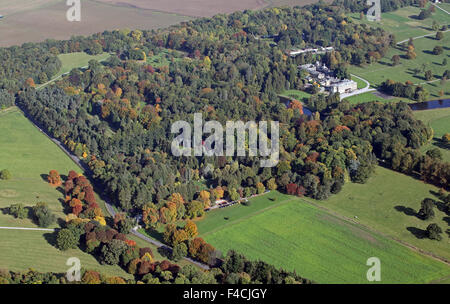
368 97
439 120
360 84
297 235
383 204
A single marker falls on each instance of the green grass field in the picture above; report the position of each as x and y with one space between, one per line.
439 120
360 84
382 203
318 245
404 24
368 97
28 154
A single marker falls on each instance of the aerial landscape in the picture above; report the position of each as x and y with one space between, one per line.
224 142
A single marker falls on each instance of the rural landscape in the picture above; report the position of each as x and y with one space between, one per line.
91 173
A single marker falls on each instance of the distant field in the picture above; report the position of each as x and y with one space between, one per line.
34 22
379 204
37 20
318 245
439 120
404 24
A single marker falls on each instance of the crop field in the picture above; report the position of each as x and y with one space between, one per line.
29 155
34 21
388 202
439 120
321 246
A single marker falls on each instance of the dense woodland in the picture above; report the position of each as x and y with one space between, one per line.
117 117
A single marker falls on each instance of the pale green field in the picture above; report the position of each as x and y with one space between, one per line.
404 24
439 120
28 154
296 235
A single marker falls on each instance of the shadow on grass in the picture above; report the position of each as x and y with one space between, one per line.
447 220
418 233
50 237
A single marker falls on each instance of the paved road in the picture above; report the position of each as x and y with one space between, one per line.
108 205
23 228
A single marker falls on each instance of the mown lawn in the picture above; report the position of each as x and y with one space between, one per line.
29 155
77 60
439 120
388 202
296 94
368 97
298 236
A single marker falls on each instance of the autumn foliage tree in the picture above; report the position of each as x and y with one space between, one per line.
54 178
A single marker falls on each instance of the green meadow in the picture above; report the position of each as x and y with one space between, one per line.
388 202
299 236
439 121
